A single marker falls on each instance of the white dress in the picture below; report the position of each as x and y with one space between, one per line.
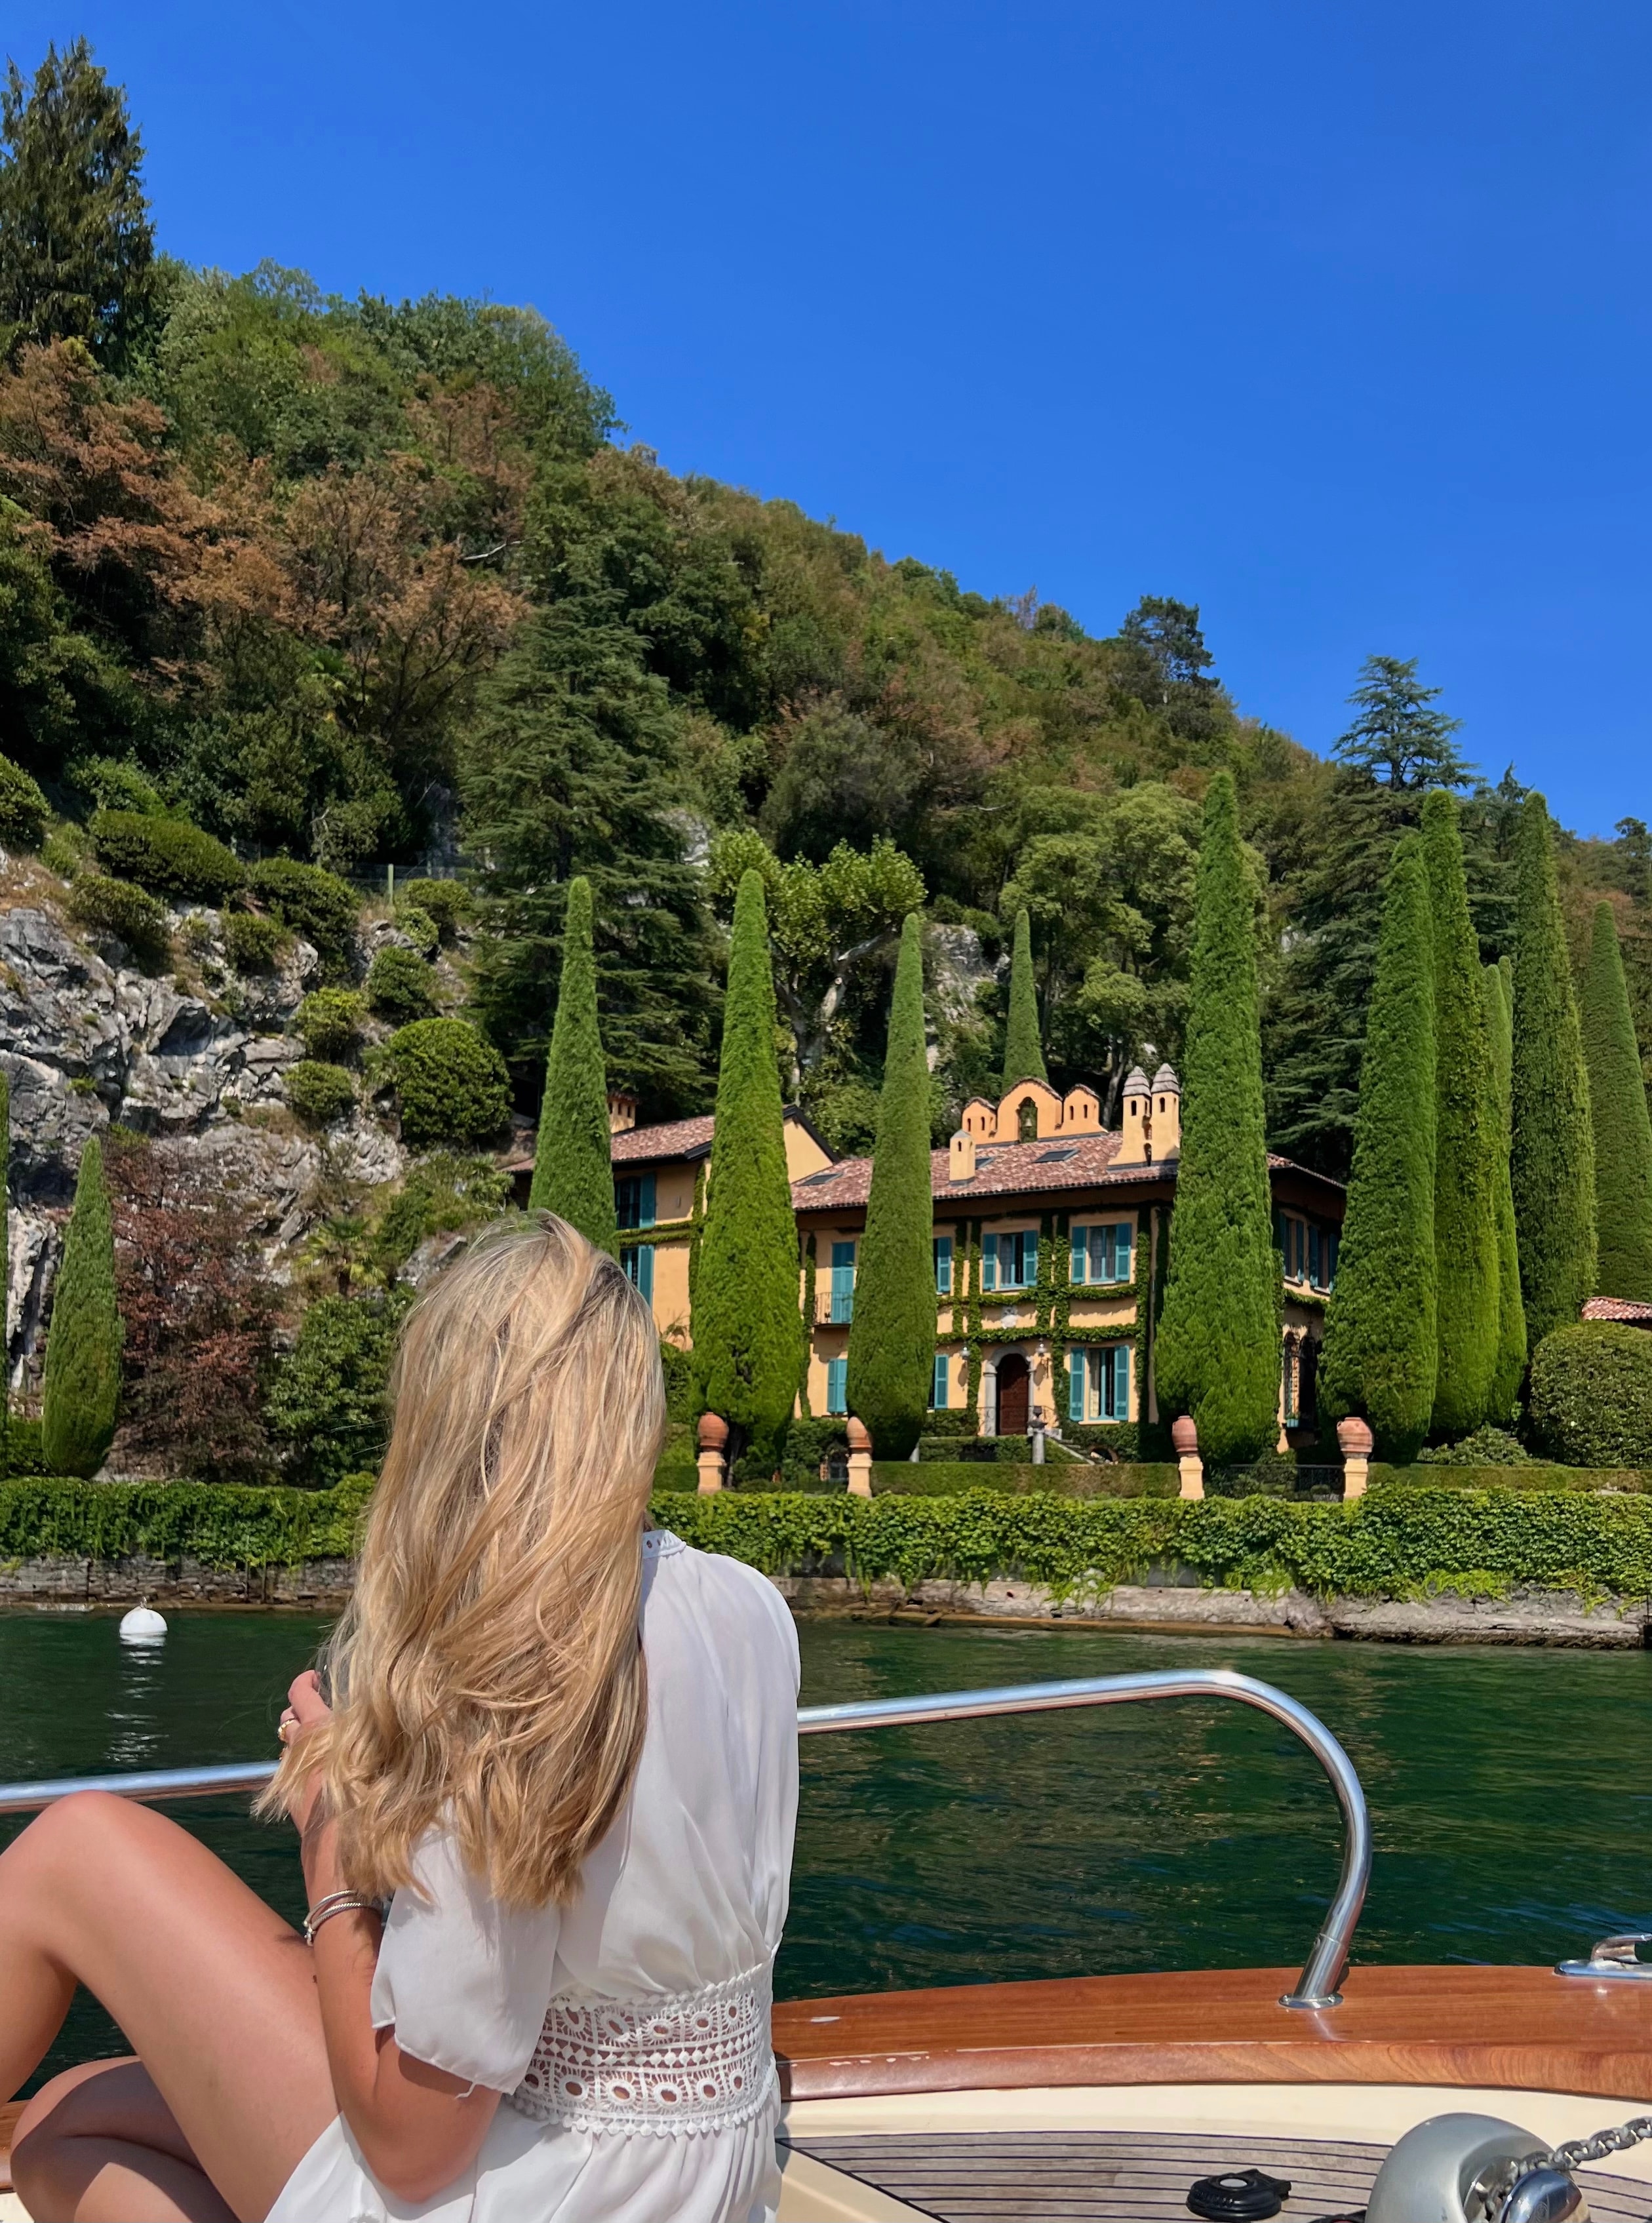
629 2031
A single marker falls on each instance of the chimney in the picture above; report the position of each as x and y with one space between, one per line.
621 1112
1167 1114
1136 1142
961 1158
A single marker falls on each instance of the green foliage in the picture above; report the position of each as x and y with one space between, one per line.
891 1335
1064 1478
83 1344
1553 1162
419 925
219 1524
1398 740
1467 1142
168 856
444 903
116 783
130 913
1622 1129
442 1194
747 1329
1497 988
329 1023
1023 1055
1380 1351
1590 1401
252 942
24 1454
1533 1476
678 1366
328 1403
6 1423
1218 1350
23 806
451 1085
318 1093
313 902
573 1170
76 251
1487 1446
399 985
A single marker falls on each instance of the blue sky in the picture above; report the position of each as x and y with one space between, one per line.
1333 319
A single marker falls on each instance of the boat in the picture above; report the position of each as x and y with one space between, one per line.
1419 2094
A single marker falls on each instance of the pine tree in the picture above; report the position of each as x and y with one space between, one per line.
1497 983
1381 1350
892 1337
1023 1055
83 1345
1622 1132
1466 1142
748 1322
1553 1158
1218 1350
77 249
573 1172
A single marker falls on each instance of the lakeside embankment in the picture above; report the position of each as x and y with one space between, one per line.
1412 1563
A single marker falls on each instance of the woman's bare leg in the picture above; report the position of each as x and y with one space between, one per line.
214 1992
98 2144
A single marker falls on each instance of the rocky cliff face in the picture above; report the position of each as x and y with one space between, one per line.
196 1060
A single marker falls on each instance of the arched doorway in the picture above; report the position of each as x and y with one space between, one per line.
1014 1385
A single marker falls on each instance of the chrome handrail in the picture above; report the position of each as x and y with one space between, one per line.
1315 1987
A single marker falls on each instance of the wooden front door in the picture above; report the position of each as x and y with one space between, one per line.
1013 1385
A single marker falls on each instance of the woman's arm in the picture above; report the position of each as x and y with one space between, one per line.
418 2127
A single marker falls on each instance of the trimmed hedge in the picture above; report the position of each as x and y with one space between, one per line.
399 985
126 910
1591 1399
221 1525
318 1093
168 856
1059 1478
312 902
451 1082
1533 1473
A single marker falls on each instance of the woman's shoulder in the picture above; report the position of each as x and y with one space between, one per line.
711 1584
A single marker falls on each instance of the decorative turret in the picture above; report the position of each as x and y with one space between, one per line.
1166 1113
1136 1146
960 1156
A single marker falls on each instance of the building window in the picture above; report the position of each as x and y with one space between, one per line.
1103 1254
1308 1249
944 1265
633 1200
1098 1386
939 1387
837 1386
1010 1261
637 1262
842 1306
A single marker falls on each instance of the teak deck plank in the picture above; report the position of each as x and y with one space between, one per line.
1514 2029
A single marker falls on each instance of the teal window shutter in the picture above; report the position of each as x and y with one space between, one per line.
842 1283
1075 1385
1122 1234
837 1385
939 1393
1080 1269
989 1262
944 1265
1122 1381
1279 1225
637 1263
646 1202
1314 1255
1026 1263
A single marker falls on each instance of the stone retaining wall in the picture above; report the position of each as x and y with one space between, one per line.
321 1584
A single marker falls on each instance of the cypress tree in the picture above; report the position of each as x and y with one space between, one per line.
1464 1207
1024 1054
1381 1350
1497 984
891 1335
1622 1132
5 1274
573 1171
1553 1158
748 1326
1218 1350
83 1345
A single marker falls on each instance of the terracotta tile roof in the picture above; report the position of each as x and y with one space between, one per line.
673 1138
1629 1310
1004 1169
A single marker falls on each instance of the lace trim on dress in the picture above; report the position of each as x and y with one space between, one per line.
661 1541
677 2062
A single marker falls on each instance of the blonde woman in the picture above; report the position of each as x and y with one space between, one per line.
546 1832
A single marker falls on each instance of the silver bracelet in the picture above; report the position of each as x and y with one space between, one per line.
339 1902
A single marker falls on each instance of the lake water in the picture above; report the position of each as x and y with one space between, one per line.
1508 1788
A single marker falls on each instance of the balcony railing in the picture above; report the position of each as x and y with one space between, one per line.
833 1307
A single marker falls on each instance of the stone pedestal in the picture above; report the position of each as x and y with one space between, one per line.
1355 1440
712 1461
859 1459
1184 1440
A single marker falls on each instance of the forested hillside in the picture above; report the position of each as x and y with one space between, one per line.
361 583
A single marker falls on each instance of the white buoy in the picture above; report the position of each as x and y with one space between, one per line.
143 1625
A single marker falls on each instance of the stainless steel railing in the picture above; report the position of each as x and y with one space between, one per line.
1315 1987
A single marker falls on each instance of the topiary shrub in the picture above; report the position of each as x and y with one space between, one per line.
328 1402
1485 1447
130 913
319 1092
313 902
113 784
252 942
166 855
25 1452
446 902
451 1083
329 1023
397 984
419 925
23 806
1591 1402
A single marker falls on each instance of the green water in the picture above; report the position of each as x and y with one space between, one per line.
1509 1793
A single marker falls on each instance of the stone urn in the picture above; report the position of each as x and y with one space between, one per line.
1184 1437
859 1435
714 1432
1355 1437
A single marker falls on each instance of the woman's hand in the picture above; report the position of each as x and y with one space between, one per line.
306 1709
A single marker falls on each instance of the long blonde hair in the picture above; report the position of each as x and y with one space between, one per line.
488 1674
